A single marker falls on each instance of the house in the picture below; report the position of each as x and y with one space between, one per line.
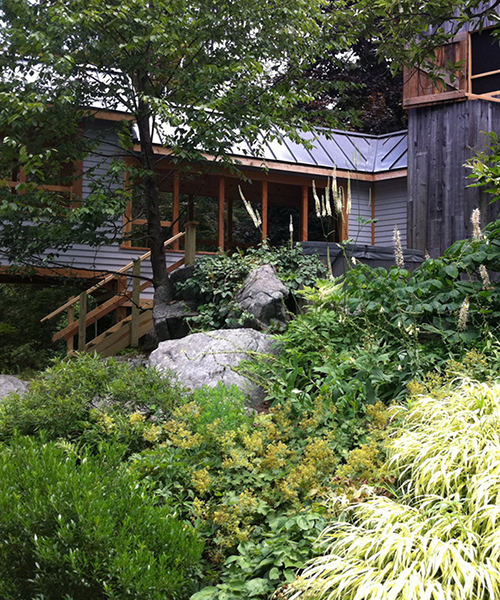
279 182
414 180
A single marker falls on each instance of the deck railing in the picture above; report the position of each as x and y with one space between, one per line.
128 328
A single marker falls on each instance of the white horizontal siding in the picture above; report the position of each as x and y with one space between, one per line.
390 210
361 211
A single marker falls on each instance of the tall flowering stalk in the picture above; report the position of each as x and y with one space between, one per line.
254 214
398 248
322 204
485 278
349 196
463 314
476 224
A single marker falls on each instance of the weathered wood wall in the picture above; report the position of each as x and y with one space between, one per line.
440 140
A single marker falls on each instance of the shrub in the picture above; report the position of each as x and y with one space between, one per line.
440 539
76 526
82 395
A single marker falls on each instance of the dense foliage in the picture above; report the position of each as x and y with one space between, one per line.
75 525
439 537
250 484
216 279
254 487
25 343
369 333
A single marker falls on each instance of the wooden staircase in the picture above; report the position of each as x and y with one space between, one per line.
133 317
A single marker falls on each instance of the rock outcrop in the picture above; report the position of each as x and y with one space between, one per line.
212 357
263 297
9 383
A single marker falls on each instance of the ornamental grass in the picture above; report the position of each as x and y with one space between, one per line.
441 539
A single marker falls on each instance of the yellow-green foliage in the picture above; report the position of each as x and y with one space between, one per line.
235 475
441 540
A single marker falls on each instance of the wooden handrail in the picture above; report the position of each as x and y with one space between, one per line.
112 304
127 267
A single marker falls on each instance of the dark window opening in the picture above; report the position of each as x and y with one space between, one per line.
485 62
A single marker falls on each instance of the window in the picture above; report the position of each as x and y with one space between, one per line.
485 63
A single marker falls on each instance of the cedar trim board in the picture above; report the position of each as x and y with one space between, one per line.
435 99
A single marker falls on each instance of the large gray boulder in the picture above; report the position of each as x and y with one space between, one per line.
263 296
9 383
209 358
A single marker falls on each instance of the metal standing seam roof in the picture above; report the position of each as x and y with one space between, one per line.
346 150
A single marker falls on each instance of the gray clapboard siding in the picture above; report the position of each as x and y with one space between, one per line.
108 258
360 209
390 210
96 165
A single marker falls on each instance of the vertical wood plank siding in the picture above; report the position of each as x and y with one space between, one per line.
440 140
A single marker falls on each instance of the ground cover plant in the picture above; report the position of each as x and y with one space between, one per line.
439 537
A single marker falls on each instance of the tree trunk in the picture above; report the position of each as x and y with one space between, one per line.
163 289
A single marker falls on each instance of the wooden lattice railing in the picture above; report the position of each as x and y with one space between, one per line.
128 328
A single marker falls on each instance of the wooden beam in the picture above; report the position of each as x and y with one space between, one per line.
222 200
434 98
230 222
264 210
175 209
304 213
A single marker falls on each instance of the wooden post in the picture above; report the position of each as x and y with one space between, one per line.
304 221
191 208
222 194
70 342
344 225
175 209
230 203
372 198
264 210
136 303
190 252
82 322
